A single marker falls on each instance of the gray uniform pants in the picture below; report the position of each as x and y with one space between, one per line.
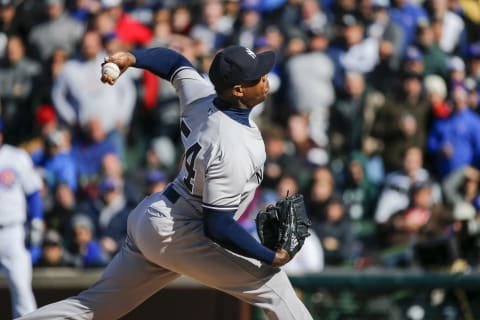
164 242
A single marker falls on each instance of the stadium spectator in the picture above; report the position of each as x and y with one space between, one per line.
352 50
310 90
45 38
380 26
454 142
462 185
435 59
359 193
85 249
130 31
7 23
394 196
88 152
421 224
53 252
466 234
452 38
346 131
402 121
319 192
156 181
62 209
249 26
359 196
406 14
112 215
335 234
436 92
279 161
57 162
77 98
18 77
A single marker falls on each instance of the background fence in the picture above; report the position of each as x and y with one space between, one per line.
334 294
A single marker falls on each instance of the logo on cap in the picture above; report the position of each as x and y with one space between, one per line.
250 53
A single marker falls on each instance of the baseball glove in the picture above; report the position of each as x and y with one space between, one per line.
284 225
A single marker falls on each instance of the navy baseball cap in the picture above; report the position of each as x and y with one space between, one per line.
236 64
156 176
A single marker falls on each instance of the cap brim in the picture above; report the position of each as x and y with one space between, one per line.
266 61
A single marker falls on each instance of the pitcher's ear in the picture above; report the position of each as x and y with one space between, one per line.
237 90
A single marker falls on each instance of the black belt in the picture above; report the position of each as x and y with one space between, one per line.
171 194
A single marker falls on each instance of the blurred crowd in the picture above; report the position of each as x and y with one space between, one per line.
373 116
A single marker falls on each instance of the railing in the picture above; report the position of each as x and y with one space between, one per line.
370 294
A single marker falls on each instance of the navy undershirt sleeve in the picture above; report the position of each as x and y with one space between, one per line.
35 206
224 230
161 61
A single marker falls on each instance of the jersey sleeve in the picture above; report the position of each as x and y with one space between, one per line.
190 86
173 66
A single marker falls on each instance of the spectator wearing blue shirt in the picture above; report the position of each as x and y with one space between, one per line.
454 142
57 161
85 248
88 153
407 15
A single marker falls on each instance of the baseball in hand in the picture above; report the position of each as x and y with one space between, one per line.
111 70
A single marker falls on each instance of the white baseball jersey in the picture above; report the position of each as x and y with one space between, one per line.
224 159
17 179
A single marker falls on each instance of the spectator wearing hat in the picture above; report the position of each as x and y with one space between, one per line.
353 51
457 70
85 248
462 185
413 61
44 38
436 92
156 181
108 214
454 142
18 76
54 253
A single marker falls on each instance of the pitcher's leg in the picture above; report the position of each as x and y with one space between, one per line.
127 281
193 254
